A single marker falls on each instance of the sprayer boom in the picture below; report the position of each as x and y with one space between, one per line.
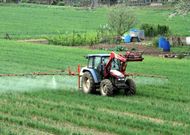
55 72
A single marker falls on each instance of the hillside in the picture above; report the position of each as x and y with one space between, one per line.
35 21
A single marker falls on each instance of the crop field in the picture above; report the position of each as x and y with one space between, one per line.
46 105
161 105
34 21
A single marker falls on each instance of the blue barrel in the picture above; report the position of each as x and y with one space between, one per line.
127 39
166 47
164 44
161 42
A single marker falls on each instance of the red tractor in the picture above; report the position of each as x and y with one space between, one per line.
106 73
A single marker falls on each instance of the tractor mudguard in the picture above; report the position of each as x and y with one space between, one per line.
93 72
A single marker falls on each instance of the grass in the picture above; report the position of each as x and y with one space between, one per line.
157 108
34 21
31 57
161 105
178 25
180 49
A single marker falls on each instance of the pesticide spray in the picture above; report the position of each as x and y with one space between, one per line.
141 80
54 83
34 83
51 80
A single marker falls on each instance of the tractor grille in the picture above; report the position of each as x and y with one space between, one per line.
120 83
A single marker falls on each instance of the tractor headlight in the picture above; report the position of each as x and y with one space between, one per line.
121 79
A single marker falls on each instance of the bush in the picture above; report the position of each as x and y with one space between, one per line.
104 33
74 39
162 30
155 42
151 30
55 2
61 3
118 48
180 56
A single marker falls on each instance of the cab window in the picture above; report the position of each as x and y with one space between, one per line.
90 62
97 62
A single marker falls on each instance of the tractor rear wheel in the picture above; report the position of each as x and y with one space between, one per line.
106 87
88 85
131 87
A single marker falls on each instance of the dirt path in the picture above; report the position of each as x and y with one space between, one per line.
137 46
35 41
148 50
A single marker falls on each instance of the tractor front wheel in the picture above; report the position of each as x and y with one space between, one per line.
88 85
106 87
131 87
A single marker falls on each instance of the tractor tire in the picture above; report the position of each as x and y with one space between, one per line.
131 87
88 85
106 88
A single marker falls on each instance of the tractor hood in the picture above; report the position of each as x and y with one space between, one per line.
116 73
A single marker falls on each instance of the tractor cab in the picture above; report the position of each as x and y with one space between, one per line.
106 66
97 62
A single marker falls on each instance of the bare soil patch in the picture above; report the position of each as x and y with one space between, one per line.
148 50
131 46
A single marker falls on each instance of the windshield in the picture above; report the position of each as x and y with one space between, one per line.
116 64
105 60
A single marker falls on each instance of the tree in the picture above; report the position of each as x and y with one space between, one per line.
94 3
111 2
182 7
120 20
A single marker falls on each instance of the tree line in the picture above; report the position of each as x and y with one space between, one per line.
110 2
182 7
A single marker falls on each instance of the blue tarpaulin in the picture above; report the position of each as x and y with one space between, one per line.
127 39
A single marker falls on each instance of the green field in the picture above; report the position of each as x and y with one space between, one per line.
38 58
161 106
178 25
53 105
34 21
